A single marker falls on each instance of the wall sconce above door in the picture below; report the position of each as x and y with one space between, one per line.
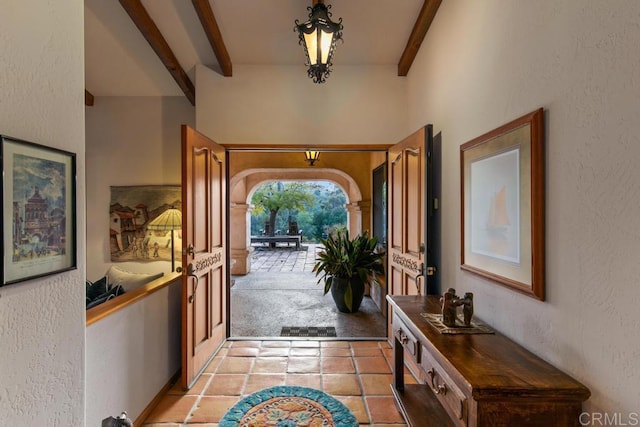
311 156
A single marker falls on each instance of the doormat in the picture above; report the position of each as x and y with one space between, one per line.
308 331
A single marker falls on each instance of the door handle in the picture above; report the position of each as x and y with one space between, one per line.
190 273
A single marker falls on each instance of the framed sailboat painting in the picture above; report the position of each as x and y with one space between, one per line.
502 200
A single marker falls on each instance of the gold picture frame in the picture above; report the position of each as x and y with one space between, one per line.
502 205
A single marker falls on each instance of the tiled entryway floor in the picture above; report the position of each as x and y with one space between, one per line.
358 373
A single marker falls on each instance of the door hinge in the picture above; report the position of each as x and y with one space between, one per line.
431 271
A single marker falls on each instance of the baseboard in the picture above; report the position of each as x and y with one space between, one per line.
152 405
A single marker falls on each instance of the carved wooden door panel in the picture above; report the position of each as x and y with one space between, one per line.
204 278
407 229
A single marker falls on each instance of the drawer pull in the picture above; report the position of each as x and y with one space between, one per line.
437 389
402 337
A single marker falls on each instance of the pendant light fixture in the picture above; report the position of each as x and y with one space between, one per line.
318 35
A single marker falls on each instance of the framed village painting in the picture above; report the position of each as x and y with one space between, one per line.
38 210
502 199
132 213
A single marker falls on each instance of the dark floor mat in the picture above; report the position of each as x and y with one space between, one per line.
308 331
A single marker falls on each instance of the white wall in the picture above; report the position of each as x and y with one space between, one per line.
130 141
485 63
42 320
132 354
281 105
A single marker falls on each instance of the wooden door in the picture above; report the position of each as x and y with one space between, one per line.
204 278
407 193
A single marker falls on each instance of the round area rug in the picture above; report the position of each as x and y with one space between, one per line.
288 406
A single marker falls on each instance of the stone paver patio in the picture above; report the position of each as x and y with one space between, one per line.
281 290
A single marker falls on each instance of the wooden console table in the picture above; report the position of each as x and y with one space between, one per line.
475 380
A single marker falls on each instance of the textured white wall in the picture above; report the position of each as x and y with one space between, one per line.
281 105
130 141
132 354
486 63
42 321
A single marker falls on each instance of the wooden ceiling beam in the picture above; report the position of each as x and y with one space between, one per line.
420 28
88 98
151 33
211 29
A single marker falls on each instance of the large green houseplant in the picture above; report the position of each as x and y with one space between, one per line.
346 265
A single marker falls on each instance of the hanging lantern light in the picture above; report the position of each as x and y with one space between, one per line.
318 35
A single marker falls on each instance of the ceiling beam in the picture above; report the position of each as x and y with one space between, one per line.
210 26
420 28
151 33
88 98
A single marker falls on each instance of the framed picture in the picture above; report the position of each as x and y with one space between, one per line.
131 211
502 199
38 210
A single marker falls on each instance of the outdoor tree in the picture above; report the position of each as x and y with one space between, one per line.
276 196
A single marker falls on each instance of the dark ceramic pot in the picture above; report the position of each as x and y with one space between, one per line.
338 289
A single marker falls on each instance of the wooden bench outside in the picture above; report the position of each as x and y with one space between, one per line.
273 240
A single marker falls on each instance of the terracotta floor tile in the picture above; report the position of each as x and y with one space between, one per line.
334 344
276 343
304 380
335 352
274 352
172 409
383 409
410 379
357 407
364 344
304 351
235 365
243 351
368 351
226 385
270 365
337 365
305 343
259 381
211 408
200 384
215 362
372 365
304 365
341 385
388 353
376 384
162 425
384 345
243 343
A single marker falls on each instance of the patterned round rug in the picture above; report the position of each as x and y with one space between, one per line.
288 406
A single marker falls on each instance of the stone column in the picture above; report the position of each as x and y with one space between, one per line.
358 217
240 238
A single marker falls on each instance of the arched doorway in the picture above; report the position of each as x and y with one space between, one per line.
295 290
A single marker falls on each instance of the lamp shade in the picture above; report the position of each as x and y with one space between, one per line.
171 219
318 35
311 156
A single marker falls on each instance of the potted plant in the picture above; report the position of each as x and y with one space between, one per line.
346 266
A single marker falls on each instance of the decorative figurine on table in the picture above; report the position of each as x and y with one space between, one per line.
450 303
467 308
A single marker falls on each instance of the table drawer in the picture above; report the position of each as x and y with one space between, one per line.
441 384
402 333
